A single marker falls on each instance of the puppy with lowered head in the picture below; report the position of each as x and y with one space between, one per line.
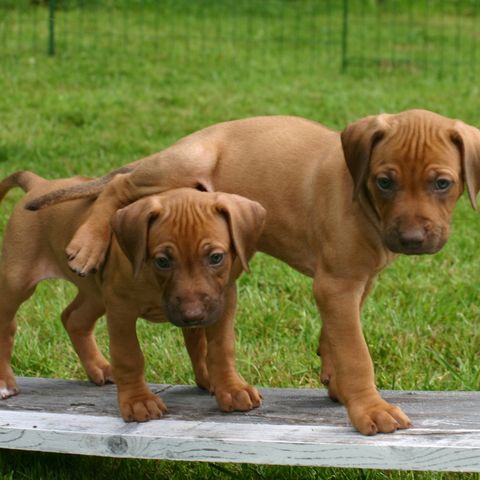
173 257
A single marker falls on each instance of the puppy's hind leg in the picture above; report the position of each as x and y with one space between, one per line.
13 292
79 320
196 343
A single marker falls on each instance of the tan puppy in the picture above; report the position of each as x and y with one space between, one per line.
174 257
339 206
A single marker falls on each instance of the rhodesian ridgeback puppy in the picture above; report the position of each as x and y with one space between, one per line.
174 257
340 206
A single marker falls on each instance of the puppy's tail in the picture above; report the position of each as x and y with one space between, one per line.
24 179
92 188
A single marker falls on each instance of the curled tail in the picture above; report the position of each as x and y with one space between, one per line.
24 179
92 188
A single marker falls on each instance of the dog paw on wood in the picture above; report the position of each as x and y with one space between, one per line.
379 417
241 397
141 407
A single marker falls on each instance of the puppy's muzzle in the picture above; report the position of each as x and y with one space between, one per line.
417 240
198 312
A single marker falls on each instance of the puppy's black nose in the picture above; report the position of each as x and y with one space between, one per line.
412 238
194 313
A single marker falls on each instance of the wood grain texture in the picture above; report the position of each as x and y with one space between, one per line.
293 427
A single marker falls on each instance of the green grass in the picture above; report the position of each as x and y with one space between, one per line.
87 112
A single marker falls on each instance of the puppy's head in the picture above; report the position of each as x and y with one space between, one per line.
190 240
410 169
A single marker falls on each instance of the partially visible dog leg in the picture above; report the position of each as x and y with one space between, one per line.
13 292
231 390
196 343
79 320
339 301
327 373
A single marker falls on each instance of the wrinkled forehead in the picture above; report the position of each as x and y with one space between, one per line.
417 144
189 222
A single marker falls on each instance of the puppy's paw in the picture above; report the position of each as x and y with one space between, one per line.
141 408
8 388
378 417
100 374
240 397
87 250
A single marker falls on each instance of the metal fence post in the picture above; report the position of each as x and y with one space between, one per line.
51 27
345 36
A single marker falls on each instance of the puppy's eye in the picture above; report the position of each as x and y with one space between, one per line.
385 183
216 259
442 184
163 263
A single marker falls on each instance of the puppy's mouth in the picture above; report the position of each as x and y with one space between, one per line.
193 324
414 245
413 250
208 316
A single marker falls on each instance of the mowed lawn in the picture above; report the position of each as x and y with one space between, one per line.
89 111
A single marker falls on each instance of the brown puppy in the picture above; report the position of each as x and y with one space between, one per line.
174 257
339 206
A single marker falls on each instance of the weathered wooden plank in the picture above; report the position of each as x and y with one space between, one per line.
293 427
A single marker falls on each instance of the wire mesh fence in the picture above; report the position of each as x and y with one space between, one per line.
438 37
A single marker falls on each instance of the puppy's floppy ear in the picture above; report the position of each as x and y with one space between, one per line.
131 226
358 140
467 138
246 220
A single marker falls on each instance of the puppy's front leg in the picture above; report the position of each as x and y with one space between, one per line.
231 390
327 374
339 301
196 343
136 401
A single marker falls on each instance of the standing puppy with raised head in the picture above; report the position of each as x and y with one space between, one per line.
174 257
339 207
